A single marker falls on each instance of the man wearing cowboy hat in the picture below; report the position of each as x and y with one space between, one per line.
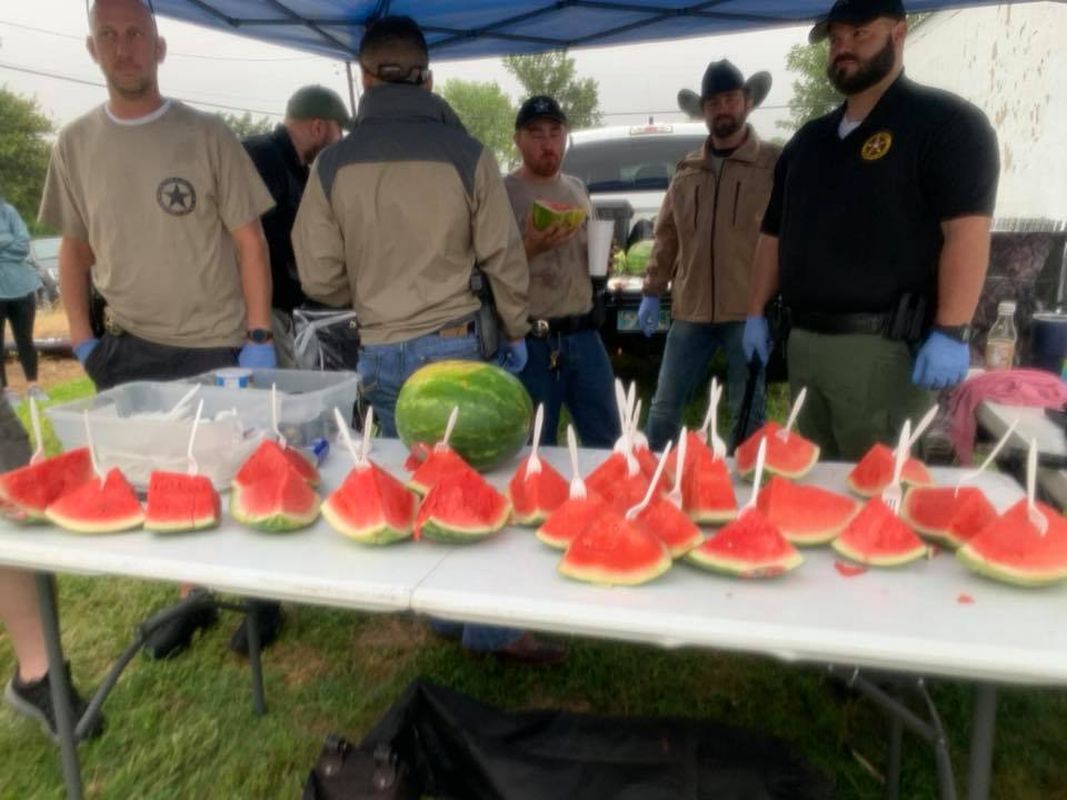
877 234
705 236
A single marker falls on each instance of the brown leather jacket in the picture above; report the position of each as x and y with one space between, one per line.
706 231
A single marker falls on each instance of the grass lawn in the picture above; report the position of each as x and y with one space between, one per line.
185 728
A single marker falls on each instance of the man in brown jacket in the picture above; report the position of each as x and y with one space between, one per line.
705 236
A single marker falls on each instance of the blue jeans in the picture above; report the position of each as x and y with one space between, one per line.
582 381
383 368
690 346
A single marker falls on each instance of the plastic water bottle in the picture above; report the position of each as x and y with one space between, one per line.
1000 342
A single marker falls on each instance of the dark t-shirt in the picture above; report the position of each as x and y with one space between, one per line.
859 219
279 166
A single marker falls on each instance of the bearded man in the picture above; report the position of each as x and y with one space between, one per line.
877 236
705 237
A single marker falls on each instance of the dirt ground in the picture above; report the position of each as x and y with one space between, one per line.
51 370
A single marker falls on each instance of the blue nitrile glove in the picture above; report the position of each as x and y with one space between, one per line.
756 339
83 349
648 315
513 355
257 356
942 362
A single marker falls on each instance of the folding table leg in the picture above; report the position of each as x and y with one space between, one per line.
983 729
59 683
892 773
259 702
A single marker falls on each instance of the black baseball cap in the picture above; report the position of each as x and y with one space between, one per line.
537 107
855 12
317 102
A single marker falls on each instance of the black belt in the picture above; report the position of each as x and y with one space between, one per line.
819 322
542 328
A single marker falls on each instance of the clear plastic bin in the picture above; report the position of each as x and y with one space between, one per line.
306 400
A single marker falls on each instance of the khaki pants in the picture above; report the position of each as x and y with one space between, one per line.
859 390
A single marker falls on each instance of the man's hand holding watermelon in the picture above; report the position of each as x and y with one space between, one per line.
536 242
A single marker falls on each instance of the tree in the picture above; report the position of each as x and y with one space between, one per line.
486 113
813 94
246 125
554 74
24 153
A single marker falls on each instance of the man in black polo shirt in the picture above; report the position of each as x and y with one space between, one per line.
315 118
877 235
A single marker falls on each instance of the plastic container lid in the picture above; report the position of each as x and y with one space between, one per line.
1006 307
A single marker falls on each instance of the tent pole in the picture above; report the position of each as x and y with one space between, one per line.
351 88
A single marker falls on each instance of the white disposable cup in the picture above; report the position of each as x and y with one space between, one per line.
600 232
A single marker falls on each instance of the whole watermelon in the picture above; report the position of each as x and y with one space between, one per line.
637 256
494 410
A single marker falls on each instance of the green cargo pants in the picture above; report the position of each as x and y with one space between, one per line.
859 390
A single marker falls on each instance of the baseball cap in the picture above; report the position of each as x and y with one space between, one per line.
855 12
538 106
317 102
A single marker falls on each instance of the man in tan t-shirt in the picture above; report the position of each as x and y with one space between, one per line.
567 364
161 204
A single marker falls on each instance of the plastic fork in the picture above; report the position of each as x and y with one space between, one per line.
346 437
38 438
974 473
194 467
632 513
1037 516
533 464
924 423
624 418
893 494
449 427
577 490
89 444
798 404
675 494
718 445
274 416
757 478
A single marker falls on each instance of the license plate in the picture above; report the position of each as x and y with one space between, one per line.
626 320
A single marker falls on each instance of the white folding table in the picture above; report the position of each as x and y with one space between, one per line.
917 620
1033 424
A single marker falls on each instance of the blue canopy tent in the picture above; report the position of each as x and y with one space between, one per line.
472 28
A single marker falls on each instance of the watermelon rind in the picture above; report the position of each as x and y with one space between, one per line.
30 489
874 472
724 552
968 510
351 493
855 542
776 462
607 537
82 510
495 410
546 213
1015 536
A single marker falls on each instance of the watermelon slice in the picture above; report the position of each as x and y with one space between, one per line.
107 505
1013 550
371 506
614 483
806 515
672 526
534 496
696 449
441 461
942 513
613 552
418 453
748 547
270 460
280 502
707 490
461 507
178 502
879 538
570 519
31 489
875 471
791 456
648 462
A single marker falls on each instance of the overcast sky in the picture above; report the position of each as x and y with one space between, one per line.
46 36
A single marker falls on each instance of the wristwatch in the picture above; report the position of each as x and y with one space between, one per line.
961 333
260 335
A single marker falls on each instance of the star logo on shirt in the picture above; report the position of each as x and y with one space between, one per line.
877 146
176 196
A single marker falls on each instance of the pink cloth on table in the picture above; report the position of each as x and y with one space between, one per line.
1013 387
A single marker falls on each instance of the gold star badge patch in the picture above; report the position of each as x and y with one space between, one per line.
876 146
